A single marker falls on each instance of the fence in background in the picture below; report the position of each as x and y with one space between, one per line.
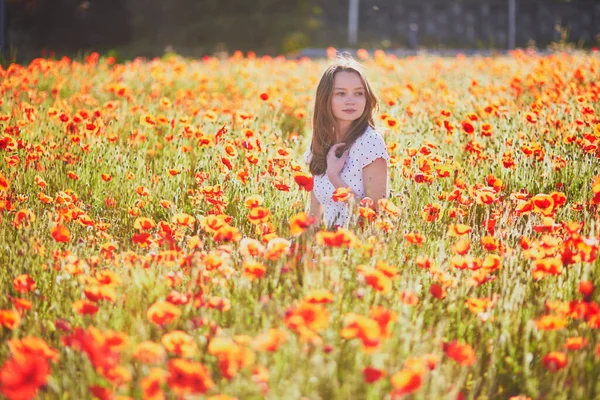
461 23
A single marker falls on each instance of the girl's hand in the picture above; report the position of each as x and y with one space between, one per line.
368 202
335 164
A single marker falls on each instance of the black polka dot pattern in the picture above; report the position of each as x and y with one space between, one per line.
367 148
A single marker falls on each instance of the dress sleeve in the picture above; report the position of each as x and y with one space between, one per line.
372 148
307 156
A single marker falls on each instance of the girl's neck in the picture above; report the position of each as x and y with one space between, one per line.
340 131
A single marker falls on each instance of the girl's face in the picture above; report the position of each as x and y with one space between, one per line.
349 98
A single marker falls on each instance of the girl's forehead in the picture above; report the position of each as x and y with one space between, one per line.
347 80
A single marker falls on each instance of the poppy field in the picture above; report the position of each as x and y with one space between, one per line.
155 241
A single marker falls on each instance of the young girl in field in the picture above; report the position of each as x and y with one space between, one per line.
345 151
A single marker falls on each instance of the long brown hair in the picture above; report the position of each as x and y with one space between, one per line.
324 121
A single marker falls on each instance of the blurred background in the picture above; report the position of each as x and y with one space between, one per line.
129 28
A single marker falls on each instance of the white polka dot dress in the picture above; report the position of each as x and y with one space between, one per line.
366 149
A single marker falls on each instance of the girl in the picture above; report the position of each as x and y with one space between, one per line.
346 150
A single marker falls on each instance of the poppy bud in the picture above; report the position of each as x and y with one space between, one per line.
586 288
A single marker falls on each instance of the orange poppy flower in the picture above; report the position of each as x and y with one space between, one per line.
300 222
232 356
280 185
218 303
85 307
409 298
162 313
467 127
152 384
276 248
596 190
489 243
555 361
258 215
364 328
491 262
467 262
547 266
23 218
4 183
461 353
414 238
227 233
304 181
250 247
142 191
183 219
253 270
424 262
253 201
269 341
390 208
387 269
319 296
431 212
342 194
307 318
214 222
405 381
149 353
22 377
384 318
180 344
24 283
461 247
437 291
177 298
543 204
531 117
586 288
21 305
72 175
340 238
485 195
61 234
96 293
367 213
375 278
372 374
458 229
480 305
244 176
576 343
32 347
551 322
147 120
188 377
143 224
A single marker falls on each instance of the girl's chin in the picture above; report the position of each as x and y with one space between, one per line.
349 118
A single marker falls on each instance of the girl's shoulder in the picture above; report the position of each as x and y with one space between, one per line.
371 135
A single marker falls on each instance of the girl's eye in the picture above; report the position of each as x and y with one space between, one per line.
340 93
360 94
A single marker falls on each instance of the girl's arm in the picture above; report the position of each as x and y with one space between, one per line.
375 180
338 182
315 210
